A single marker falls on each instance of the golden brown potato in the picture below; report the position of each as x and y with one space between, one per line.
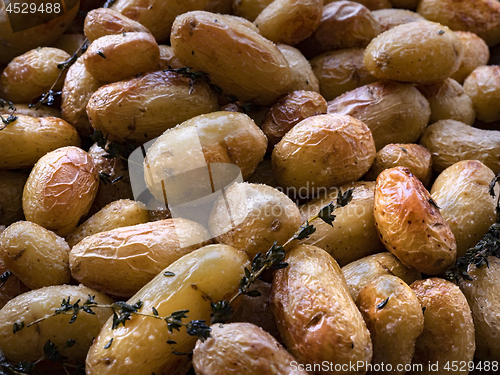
250 9
307 156
289 21
303 77
370 4
476 53
483 86
222 352
410 225
482 17
395 112
121 261
168 60
418 52
394 318
35 255
315 313
11 196
353 234
414 157
340 71
24 109
252 217
60 189
448 333
288 112
27 139
389 18
451 141
462 194
12 286
32 74
69 43
221 46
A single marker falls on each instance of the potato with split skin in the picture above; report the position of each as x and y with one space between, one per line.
250 9
303 77
476 53
389 18
11 196
483 86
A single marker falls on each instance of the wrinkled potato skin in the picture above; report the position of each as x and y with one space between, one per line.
476 53
60 189
35 255
168 60
353 234
211 273
148 105
250 9
121 261
32 74
222 352
409 225
451 141
394 327
448 333
483 86
361 272
297 163
462 194
24 109
395 112
303 77
340 71
414 157
11 196
418 52
104 21
370 4
315 313
258 216
12 287
28 138
389 18
288 112
28 343
220 46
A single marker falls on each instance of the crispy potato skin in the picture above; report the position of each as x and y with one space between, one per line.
395 326
448 333
476 53
483 86
303 77
104 21
221 353
11 196
409 225
60 189
389 18
316 316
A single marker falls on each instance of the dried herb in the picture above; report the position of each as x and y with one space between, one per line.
113 149
10 118
4 277
382 304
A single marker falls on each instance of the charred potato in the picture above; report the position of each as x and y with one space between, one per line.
303 77
11 196
104 21
483 86
476 53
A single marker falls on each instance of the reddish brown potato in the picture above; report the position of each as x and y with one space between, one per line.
476 53
483 86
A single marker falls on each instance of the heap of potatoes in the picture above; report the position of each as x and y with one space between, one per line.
248 117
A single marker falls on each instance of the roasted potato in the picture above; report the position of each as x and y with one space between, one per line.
303 77
11 196
389 18
250 9
26 110
483 86
370 4
168 60
476 53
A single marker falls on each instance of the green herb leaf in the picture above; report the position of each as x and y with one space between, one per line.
326 214
101 54
404 150
51 352
432 203
168 274
343 199
4 277
382 304
222 311
305 231
70 343
199 329
108 344
155 312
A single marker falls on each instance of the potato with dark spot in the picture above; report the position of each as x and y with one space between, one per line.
483 86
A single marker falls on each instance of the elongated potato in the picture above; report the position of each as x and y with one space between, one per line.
410 225
316 316
483 86
448 333
12 286
476 53
35 255
239 60
60 189
104 21
211 273
24 109
27 139
11 196
394 318
140 109
250 9
27 344
303 77
389 18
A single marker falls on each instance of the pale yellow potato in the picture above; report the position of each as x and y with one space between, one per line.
353 234
316 316
340 71
140 109
11 196
33 73
24 109
13 286
448 333
417 52
323 151
69 43
168 60
395 112
462 194
410 225
394 318
27 344
483 86
451 141
118 214
289 21
252 217
250 9
476 53
222 352
303 77
414 157
60 189
27 139
35 255
370 4
211 273
389 18
221 46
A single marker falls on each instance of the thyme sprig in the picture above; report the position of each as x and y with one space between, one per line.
4 277
11 117
113 149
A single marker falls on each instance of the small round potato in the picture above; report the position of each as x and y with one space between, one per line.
395 112
12 287
250 9
410 224
303 77
228 350
168 60
11 196
418 52
60 189
448 335
483 86
323 151
476 53
389 18
35 255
